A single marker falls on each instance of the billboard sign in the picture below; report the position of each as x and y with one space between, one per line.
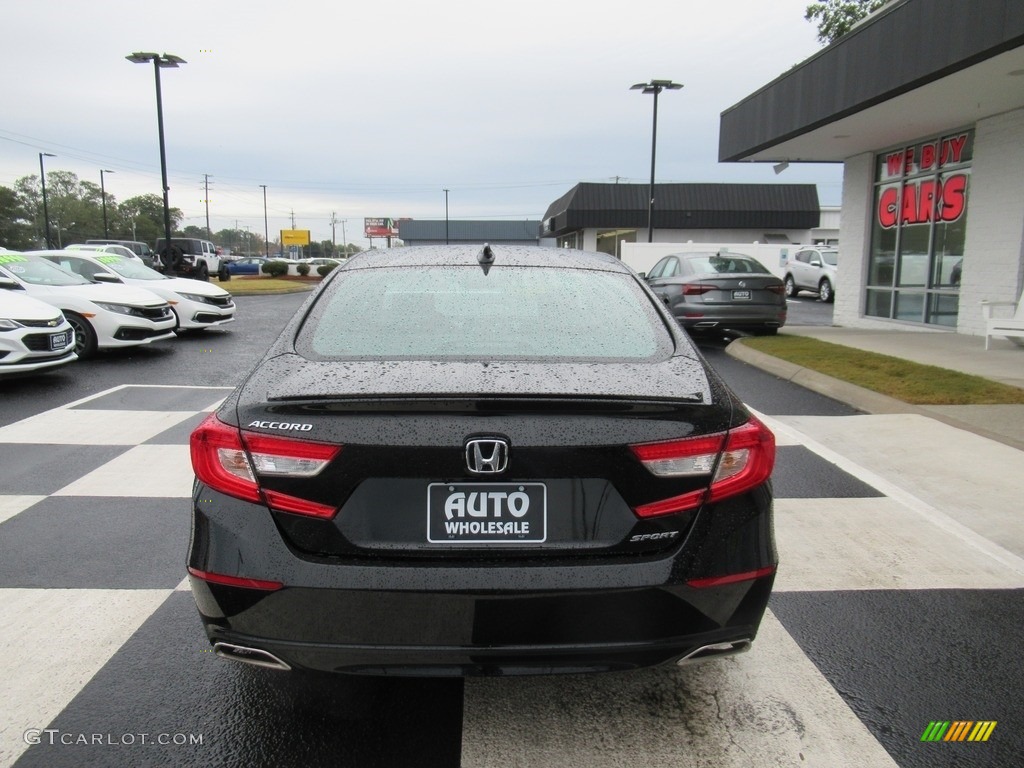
380 228
294 237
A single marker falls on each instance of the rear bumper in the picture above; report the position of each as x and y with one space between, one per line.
408 616
461 634
693 316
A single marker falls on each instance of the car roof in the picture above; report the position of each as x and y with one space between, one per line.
467 255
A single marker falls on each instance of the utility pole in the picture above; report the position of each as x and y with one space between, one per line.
266 227
206 198
334 239
343 238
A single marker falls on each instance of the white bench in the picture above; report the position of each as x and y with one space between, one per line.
1010 327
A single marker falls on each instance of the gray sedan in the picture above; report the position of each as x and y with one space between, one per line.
720 291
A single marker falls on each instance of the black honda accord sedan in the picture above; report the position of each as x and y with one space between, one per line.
477 460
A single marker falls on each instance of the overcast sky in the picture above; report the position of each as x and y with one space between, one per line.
372 110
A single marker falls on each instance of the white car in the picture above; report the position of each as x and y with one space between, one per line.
813 269
103 316
34 336
118 250
196 304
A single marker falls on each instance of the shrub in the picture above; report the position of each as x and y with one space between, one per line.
302 269
276 268
325 269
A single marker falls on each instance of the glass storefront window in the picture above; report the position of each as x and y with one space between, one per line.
918 230
879 303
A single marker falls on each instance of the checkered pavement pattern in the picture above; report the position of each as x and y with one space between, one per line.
99 635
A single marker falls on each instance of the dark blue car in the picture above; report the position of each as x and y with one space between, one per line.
250 265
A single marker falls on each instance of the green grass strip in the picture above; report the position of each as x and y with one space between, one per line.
901 379
249 286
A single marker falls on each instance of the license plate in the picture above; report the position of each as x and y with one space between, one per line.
741 295
486 513
60 340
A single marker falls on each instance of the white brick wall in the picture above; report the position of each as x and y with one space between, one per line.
994 251
854 242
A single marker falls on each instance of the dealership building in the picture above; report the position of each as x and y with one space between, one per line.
923 103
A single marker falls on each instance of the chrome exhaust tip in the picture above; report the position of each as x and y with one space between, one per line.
715 651
254 656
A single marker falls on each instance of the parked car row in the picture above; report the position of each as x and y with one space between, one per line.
253 265
102 300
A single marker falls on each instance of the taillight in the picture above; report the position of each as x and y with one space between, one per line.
698 289
777 289
739 459
231 461
235 581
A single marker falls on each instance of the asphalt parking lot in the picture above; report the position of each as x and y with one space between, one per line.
889 612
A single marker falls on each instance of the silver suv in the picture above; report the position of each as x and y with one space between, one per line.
813 269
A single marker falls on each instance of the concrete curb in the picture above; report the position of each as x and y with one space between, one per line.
852 395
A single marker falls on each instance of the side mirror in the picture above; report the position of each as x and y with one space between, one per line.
106 277
8 284
815 263
642 275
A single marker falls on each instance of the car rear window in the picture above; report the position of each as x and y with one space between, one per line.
726 265
510 312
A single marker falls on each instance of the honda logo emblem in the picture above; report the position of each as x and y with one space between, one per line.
487 456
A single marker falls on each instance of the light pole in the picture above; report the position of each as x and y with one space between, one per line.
103 198
655 87
266 229
46 210
164 60
446 217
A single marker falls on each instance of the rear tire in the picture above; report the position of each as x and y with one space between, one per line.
791 289
825 292
202 271
85 336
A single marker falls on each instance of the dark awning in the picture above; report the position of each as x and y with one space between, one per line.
685 206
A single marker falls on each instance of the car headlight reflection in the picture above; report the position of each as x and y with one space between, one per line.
121 309
196 297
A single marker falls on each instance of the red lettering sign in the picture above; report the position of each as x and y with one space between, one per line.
894 161
887 207
923 201
953 149
928 152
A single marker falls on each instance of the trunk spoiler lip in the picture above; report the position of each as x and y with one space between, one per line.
361 401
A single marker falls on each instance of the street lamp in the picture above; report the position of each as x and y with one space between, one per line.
46 210
165 60
266 230
655 87
103 197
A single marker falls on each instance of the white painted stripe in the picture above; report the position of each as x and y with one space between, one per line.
92 427
768 707
947 448
875 543
14 505
782 436
118 388
145 471
52 642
